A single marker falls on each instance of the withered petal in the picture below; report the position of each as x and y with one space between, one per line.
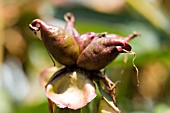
72 89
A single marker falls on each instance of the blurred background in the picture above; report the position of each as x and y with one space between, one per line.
23 56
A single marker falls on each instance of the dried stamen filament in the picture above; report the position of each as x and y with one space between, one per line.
133 62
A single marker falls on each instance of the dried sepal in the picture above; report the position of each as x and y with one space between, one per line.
46 74
51 106
106 107
108 102
70 89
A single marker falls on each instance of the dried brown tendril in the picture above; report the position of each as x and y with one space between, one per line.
133 62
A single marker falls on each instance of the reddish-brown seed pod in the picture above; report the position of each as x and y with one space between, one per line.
102 51
60 44
69 28
83 40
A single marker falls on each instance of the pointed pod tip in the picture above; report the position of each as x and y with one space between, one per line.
33 28
69 17
36 24
132 35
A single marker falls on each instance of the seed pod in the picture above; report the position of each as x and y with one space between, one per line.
60 44
82 40
102 51
69 28
85 39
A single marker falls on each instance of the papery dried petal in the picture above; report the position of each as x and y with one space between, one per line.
72 89
46 74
